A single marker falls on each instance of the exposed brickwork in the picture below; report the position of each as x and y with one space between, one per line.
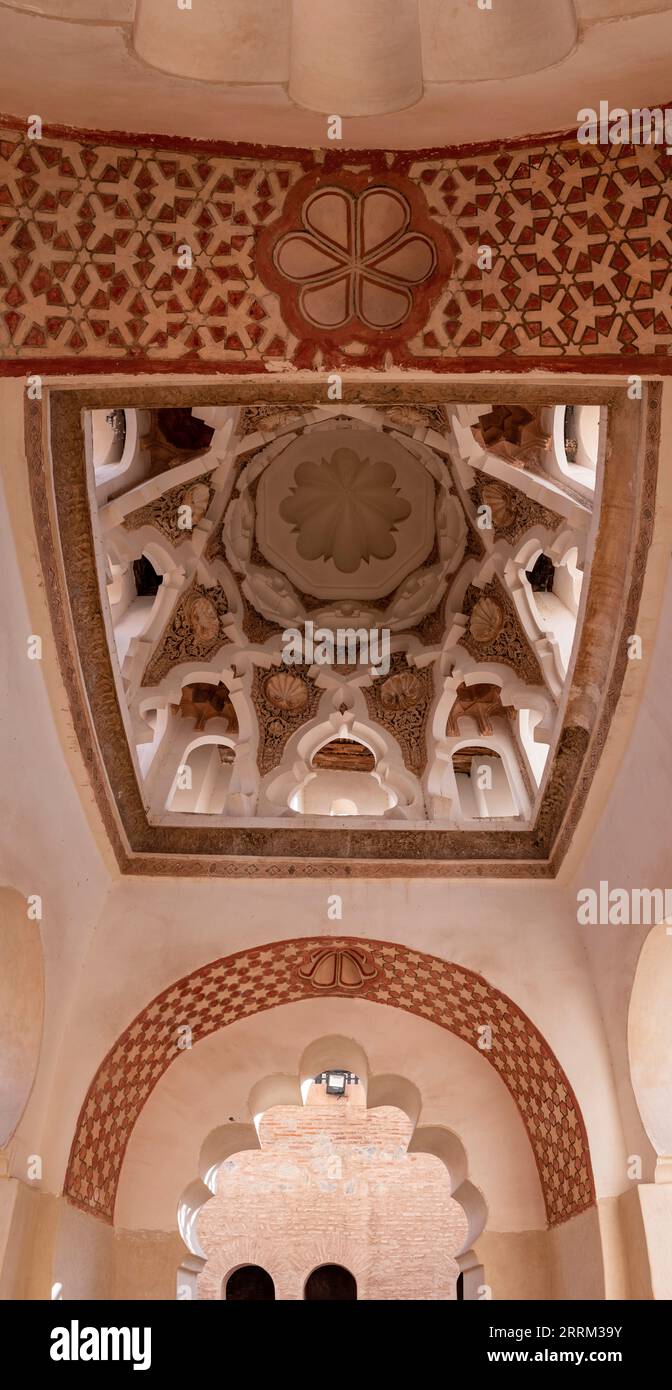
282 972
90 229
333 1184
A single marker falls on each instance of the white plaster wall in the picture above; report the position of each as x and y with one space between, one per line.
47 846
21 1008
632 848
358 787
624 837
83 1255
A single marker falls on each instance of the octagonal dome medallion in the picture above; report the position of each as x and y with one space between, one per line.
345 514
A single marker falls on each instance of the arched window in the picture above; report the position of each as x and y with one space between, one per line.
459 1288
132 594
576 434
203 779
108 429
330 1282
250 1282
536 753
119 460
482 783
553 594
344 778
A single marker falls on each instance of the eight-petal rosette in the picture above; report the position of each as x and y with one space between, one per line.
354 259
345 509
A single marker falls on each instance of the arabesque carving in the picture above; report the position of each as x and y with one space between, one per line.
503 640
195 630
513 512
276 724
164 514
407 722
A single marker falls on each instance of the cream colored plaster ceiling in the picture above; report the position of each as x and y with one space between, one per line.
401 73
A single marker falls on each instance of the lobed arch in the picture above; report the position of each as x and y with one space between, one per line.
128 467
255 980
466 670
532 701
552 634
215 797
296 768
170 740
284 1089
123 547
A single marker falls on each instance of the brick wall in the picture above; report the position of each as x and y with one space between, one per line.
333 1184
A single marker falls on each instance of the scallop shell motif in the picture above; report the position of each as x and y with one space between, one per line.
285 691
401 691
498 500
198 498
486 620
204 621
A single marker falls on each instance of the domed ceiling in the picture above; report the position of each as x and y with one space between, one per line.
344 513
398 73
296 611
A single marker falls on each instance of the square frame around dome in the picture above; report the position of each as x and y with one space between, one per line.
55 450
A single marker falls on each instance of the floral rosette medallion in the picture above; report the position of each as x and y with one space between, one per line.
355 258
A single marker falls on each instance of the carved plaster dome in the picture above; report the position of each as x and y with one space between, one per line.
486 620
345 508
345 513
285 691
356 533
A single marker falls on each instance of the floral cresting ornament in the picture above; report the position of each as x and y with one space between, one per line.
338 966
355 258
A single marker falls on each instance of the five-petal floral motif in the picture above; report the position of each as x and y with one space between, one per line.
356 258
345 509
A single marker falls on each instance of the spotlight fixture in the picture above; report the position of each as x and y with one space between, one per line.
336 1081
